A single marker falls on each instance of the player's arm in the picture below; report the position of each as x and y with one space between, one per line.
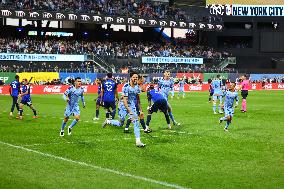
66 94
10 90
149 99
116 94
83 100
237 100
139 104
125 100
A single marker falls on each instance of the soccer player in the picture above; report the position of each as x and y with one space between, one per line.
211 90
98 82
159 103
71 96
109 96
165 85
217 95
14 92
140 82
181 84
230 96
26 99
129 93
244 93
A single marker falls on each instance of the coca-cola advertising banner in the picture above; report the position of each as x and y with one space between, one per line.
99 19
90 89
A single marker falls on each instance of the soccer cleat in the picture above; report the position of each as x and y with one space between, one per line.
226 129
69 130
169 126
126 130
220 121
20 117
215 112
104 123
140 145
11 114
147 130
221 112
35 117
96 119
61 133
176 123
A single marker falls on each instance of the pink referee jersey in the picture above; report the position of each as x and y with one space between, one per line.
245 85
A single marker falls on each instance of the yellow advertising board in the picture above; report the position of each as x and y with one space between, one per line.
39 76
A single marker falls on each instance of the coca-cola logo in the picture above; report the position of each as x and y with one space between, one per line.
195 87
280 86
268 86
54 89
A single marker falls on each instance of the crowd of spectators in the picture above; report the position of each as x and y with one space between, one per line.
106 48
278 79
139 8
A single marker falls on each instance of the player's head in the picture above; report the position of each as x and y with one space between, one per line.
78 82
167 74
98 81
232 87
134 77
109 75
141 80
17 77
151 87
209 81
24 81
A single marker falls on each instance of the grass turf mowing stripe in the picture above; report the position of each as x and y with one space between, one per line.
97 167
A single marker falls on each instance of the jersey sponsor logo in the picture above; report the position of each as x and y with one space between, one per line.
54 89
268 86
195 87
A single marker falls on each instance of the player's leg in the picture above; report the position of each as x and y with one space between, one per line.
210 96
97 110
76 112
244 100
21 110
33 109
13 105
173 94
113 110
134 118
171 115
63 125
164 108
220 104
152 109
215 97
122 112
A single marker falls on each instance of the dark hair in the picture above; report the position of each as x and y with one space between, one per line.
133 73
151 87
209 80
140 76
17 77
100 79
218 76
71 81
109 75
77 78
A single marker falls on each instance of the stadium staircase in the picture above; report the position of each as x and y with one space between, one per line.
99 62
227 61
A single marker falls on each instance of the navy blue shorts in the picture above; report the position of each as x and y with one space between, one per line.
159 105
244 94
98 102
108 105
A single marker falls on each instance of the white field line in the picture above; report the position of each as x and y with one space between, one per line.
96 167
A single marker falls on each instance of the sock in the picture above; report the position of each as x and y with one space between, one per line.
21 112
97 113
209 99
142 123
244 105
227 124
223 118
113 113
214 107
172 117
167 118
34 112
138 140
107 114
128 123
136 129
148 119
63 125
114 123
17 106
219 108
74 122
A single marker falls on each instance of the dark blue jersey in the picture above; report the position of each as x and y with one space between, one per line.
99 90
109 87
26 88
155 95
15 88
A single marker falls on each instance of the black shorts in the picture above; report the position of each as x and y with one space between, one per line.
211 94
159 105
244 94
108 105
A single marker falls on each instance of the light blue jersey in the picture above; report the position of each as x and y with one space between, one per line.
73 104
230 98
165 87
217 86
181 85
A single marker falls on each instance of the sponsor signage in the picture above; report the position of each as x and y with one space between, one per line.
60 89
42 57
246 10
173 60
100 19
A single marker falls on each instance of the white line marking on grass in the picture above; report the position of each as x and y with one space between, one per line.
28 114
96 167
86 121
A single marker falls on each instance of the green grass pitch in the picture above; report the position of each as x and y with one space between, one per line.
197 154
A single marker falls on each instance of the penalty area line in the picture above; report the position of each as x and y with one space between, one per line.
162 183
